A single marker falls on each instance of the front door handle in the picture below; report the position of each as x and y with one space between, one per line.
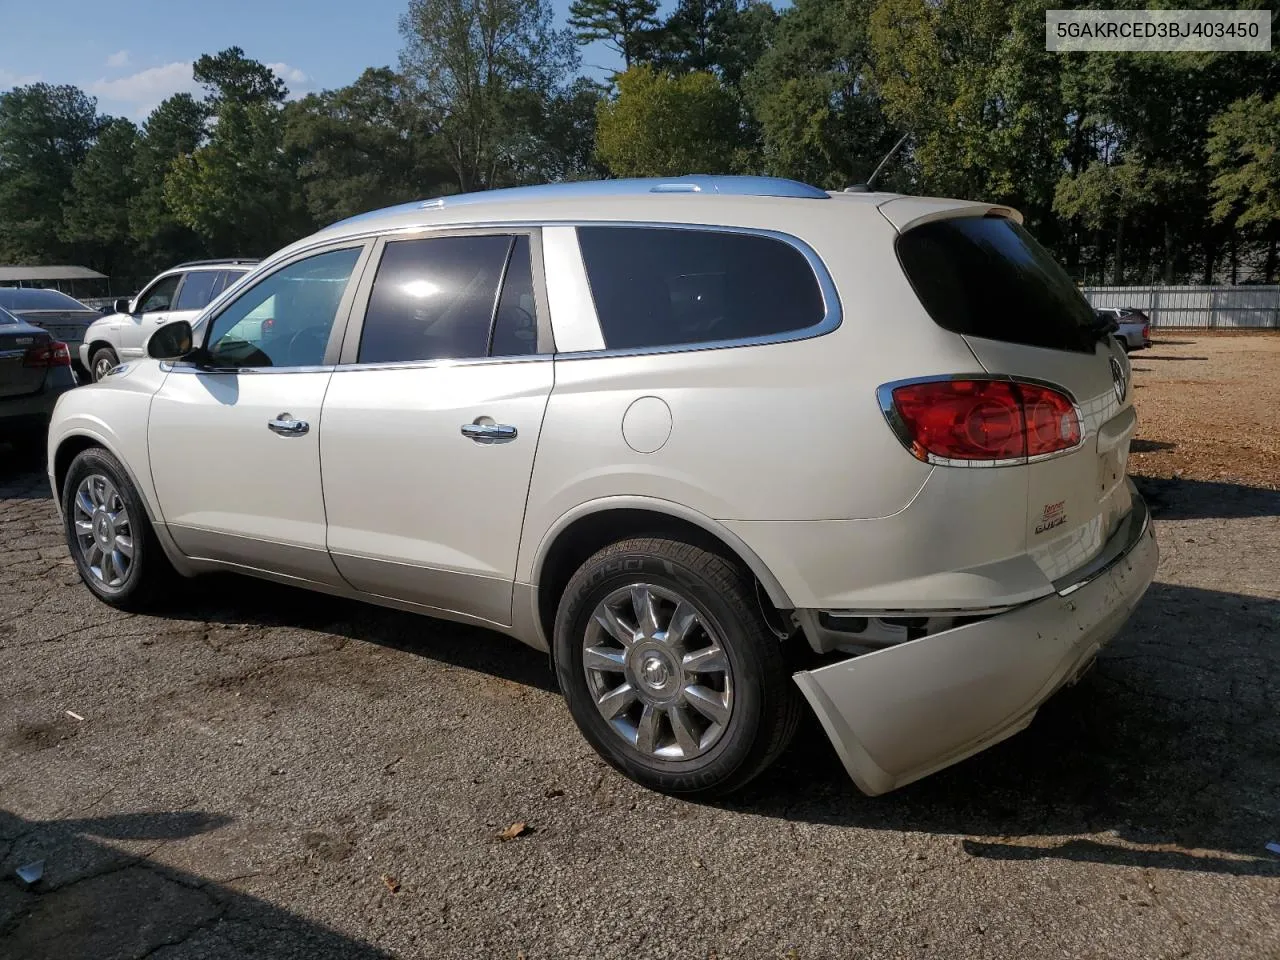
287 426
489 432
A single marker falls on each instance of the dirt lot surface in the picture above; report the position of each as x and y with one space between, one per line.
1209 407
259 772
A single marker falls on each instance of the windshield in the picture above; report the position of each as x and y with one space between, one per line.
988 277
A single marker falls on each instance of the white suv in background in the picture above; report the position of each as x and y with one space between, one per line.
179 293
724 446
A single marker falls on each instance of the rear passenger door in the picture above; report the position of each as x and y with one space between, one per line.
432 420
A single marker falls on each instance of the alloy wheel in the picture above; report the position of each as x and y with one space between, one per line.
658 672
103 530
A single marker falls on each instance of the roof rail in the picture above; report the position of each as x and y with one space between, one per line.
707 184
224 261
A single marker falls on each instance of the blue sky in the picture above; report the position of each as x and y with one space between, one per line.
131 54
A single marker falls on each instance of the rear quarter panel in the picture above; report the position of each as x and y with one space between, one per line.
788 431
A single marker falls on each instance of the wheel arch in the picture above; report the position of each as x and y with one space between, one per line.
72 445
591 526
98 343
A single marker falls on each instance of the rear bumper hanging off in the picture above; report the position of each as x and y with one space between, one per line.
901 713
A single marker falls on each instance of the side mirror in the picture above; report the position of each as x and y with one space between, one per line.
173 341
121 306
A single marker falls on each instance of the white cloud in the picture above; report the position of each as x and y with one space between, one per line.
9 79
148 87
294 78
140 92
118 59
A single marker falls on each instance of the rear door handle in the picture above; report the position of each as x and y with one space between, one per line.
489 432
287 426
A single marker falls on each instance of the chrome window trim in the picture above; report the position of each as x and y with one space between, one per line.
884 397
832 320
442 362
185 366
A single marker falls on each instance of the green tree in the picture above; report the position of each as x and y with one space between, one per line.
1244 152
231 76
176 128
45 132
662 125
557 134
629 27
972 83
1244 155
95 213
819 117
364 146
722 36
467 60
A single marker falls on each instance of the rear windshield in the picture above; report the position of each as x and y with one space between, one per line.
987 277
34 298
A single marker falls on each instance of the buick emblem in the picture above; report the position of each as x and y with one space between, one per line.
1118 382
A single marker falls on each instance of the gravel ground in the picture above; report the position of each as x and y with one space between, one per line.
264 772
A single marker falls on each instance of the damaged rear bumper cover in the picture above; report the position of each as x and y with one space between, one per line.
906 711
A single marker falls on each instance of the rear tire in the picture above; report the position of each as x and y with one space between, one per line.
701 700
109 535
103 361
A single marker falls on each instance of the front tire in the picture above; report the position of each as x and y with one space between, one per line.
109 535
103 361
669 668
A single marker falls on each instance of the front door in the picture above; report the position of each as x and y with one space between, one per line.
150 311
235 442
430 429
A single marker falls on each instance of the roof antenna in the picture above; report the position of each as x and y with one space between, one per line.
866 187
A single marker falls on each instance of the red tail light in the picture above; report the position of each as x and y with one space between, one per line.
976 421
52 354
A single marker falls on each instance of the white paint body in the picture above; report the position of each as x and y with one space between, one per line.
779 449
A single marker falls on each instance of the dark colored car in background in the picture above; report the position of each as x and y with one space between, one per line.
64 318
35 369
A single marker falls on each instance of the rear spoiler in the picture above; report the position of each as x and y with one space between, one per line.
907 212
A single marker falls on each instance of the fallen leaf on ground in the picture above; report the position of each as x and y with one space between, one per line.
517 829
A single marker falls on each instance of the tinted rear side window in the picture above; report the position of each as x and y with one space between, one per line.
987 277
197 290
656 287
433 299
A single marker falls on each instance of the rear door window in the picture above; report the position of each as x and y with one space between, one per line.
988 277
197 291
436 299
660 286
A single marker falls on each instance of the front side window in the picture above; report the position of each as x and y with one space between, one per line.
437 298
197 291
661 286
160 296
284 320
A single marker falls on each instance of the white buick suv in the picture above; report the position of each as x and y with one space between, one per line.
723 446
